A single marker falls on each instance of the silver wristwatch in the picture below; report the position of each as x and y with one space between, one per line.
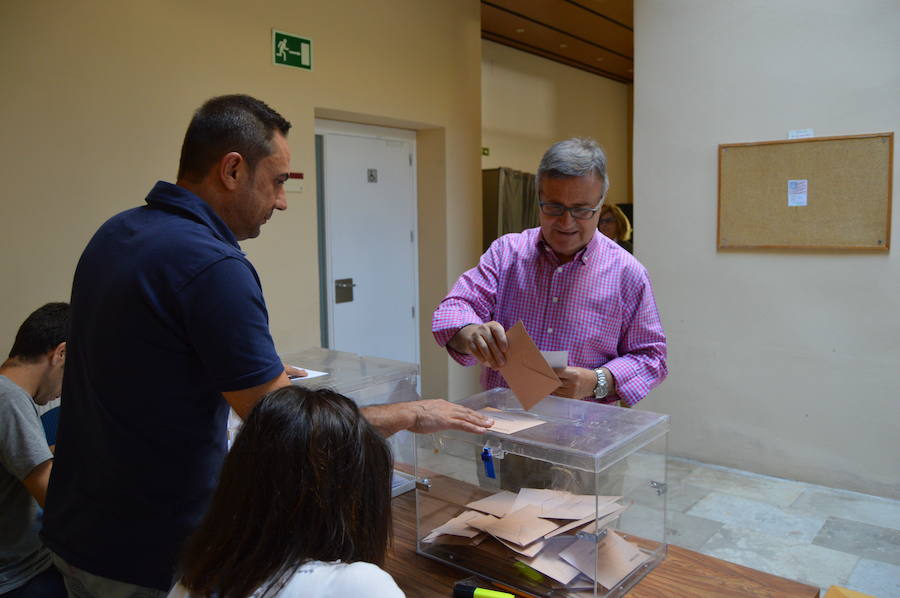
602 388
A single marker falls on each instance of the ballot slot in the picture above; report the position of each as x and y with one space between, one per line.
573 506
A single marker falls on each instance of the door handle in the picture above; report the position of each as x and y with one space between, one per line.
343 290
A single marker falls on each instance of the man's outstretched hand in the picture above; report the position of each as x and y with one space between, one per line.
425 417
434 415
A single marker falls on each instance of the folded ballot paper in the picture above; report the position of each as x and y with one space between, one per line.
506 422
539 527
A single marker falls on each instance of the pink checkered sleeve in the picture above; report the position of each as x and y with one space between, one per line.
641 364
470 301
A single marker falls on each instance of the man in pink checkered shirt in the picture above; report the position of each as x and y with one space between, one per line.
574 289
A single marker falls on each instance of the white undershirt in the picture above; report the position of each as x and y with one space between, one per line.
317 579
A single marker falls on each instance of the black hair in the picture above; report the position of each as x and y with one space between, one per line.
231 123
41 332
308 478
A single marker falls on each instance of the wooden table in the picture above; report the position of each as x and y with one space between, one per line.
683 574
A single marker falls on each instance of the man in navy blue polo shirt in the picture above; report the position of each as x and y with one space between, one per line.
165 286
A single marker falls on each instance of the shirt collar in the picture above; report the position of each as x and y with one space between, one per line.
583 255
172 198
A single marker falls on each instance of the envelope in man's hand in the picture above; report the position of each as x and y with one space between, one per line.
526 371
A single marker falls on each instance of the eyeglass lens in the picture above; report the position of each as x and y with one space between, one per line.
556 209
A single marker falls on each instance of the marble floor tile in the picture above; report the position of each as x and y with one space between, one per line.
754 515
875 578
862 539
683 496
826 502
757 487
679 468
682 530
785 557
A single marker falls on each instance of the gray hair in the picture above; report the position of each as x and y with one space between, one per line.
578 156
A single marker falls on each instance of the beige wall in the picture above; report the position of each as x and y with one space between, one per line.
97 96
784 363
528 103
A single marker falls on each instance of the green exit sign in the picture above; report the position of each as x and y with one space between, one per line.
291 50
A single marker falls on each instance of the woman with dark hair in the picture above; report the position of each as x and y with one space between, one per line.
302 507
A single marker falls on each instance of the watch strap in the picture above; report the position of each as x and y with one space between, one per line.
602 387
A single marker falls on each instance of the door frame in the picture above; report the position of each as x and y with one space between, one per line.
325 219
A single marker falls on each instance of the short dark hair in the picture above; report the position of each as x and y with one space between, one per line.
308 478
231 123
41 332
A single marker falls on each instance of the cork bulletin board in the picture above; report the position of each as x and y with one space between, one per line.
816 193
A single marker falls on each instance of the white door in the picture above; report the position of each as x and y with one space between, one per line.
371 255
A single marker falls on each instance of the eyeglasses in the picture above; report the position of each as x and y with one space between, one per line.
578 213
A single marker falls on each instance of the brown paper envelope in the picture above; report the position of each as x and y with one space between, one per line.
531 550
608 562
579 506
592 527
559 504
528 374
606 513
521 527
535 496
457 540
568 526
497 504
483 523
549 563
457 526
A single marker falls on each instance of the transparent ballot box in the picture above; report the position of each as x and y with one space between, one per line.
568 499
368 381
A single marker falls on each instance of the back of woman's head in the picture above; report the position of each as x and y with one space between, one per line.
307 479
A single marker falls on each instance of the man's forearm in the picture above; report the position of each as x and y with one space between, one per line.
424 417
390 419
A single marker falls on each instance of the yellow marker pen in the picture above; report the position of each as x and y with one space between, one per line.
463 590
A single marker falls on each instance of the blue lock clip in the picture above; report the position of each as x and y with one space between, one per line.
488 459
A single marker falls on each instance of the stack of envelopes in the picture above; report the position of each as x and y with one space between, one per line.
539 526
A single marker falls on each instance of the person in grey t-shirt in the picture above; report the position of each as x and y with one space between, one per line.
31 376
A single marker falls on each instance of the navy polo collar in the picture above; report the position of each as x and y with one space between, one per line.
172 198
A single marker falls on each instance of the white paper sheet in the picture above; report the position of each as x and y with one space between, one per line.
556 359
797 192
309 373
800 133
